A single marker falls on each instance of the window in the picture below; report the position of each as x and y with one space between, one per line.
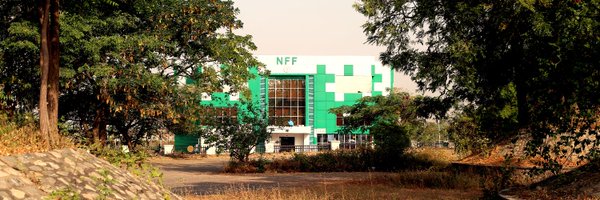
339 120
219 115
287 101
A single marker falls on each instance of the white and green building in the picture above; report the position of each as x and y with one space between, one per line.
303 89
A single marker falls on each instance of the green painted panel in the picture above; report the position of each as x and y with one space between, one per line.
320 69
377 78
330 97
352 97
376 93
182 141
392 78
348 70
330 78
319 97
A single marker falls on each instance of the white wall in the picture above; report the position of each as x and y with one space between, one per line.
299 139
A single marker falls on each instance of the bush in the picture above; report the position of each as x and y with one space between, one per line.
133 161
357 160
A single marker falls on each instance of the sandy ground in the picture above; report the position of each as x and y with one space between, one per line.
203 176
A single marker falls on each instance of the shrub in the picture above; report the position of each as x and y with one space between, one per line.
133 161
362 159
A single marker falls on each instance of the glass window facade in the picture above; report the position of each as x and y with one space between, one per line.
219 115
287 101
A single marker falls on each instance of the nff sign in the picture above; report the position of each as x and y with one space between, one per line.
286 60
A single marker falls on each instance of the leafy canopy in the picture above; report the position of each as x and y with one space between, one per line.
123 62
543 51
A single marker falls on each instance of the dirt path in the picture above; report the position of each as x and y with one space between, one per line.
203 176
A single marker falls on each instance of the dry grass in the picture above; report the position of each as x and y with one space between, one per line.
26 139
404 185
340 191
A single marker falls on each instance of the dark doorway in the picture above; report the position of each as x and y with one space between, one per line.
287 144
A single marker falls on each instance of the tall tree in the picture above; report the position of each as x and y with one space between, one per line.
123 63
44 10
543 50
49 68
53 70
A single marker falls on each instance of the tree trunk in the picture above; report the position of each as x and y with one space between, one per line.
53 72
43 10
99 129
522 104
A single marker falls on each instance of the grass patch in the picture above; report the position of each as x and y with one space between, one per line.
402 185
16 139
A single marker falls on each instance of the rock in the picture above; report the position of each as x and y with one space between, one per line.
4 184
48 181
69 162
9 160
32 191
53 165
36 168
89 195
39 163
18 194
76 170
3 174
55 154
12 171
4 195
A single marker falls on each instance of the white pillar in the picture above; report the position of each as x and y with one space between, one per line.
335 144
269 147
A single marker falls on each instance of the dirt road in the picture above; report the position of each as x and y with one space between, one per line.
203 176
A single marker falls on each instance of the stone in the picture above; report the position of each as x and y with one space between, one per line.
69 162
48 181
62 180
32 191
55 154
3 174
4 195
95 175
36 168
88 187
4 184
15 181
62 173
39 155
9 160
53 165
17 193
12 171
89 195
130 194
39 163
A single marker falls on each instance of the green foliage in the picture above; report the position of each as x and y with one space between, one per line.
431 132
390 119
522 67
122 62
465 134
104 188
356 160
135 162
63 194
238 134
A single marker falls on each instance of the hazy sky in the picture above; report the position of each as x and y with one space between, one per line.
309 27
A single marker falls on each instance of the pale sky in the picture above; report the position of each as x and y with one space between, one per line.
309 27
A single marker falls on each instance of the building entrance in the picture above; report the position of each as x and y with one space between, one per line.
287 143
